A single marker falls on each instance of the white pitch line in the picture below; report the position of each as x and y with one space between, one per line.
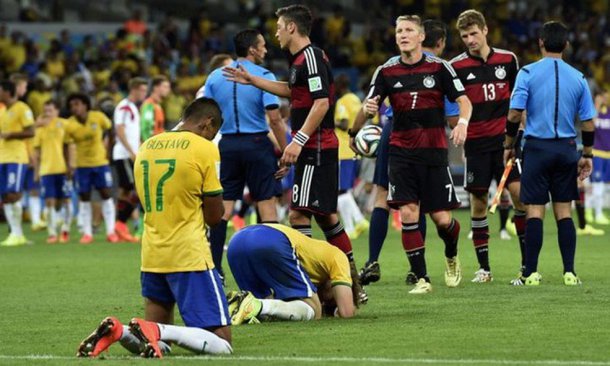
431 361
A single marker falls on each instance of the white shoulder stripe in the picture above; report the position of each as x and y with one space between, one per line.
310 58
450 68
459 57
506 52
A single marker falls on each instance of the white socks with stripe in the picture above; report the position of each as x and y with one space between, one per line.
13 213
85 214
196 340
287 310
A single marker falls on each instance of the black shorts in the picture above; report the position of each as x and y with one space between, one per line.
248 159
549 167
316 185
124 172
481 168
430 186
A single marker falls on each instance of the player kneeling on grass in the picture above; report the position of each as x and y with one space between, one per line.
286 275
175 174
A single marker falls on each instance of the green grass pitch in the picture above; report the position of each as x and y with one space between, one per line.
54 295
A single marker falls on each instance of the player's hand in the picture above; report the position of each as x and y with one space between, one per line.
585 167
371 107
509 154
237 74
458 134
282 172
291 153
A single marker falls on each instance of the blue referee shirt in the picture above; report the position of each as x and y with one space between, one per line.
553 94
242 106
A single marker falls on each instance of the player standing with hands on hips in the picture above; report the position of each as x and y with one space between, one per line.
553 94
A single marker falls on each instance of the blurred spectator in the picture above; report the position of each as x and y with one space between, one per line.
135 24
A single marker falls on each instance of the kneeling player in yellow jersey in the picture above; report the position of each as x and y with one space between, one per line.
287 276
176 175
50 157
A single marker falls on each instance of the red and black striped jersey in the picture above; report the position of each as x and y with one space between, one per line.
311 78
417 95
488 86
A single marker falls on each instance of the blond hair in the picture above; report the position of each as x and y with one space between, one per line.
416 19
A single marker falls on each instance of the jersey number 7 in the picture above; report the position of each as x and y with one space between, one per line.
171 167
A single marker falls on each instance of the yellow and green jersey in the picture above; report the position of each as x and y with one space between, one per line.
173 172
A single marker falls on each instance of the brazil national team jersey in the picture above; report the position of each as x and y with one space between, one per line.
347 107
89 139
173 170
15 119
50 139
322 261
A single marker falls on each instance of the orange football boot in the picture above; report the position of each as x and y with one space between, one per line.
108 332
149 334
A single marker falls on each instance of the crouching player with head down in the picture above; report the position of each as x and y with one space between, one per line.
285 275
175 174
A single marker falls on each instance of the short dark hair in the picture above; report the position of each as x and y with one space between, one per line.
299 15
8 86
54 103
202 108
435 30
16 78
244 40
554 36
84 98
158 80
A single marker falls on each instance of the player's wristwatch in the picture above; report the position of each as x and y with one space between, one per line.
351 133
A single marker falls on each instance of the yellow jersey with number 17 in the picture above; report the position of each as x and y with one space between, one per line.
17 118
173 172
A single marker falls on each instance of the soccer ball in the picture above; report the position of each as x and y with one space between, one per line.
367 141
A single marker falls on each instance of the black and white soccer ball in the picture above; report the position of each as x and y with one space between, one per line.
367 141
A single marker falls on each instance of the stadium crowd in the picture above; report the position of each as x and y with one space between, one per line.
107 103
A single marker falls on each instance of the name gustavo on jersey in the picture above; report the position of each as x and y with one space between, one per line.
158 144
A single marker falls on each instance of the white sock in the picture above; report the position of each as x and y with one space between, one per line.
68 213
52 222
45 212
344 212
597 197
109 214
14 216
85 215
35 209
287 310
195 339
357 216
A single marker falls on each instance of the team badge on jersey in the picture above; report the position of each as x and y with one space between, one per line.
500 72
429 82
293 75
94 126
315 84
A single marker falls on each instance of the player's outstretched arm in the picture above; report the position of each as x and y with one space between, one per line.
345 302
240 75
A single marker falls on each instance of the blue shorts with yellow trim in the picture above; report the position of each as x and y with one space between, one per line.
199 296
263 261
12 177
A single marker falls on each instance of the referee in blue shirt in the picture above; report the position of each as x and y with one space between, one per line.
554 95
247 155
